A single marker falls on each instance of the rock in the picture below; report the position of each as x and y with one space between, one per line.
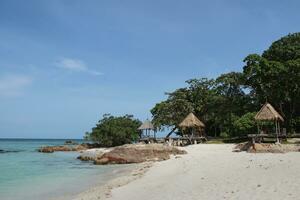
92 154
242 147
137 153
266 148
9 151
70 142
78 147
101 161
51 149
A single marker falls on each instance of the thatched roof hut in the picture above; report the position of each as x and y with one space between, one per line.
147 125
191 121
268 113
145 130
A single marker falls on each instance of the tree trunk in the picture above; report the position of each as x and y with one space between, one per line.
169 134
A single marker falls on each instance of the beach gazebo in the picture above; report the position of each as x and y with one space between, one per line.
195 126
268 113
146 128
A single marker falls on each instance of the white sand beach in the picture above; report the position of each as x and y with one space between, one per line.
211 171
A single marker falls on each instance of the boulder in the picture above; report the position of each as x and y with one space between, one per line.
137 153
92 154
266 147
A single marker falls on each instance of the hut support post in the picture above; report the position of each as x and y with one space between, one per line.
276 129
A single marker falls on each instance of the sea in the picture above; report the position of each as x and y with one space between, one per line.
26 174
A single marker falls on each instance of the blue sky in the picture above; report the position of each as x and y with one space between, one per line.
63 64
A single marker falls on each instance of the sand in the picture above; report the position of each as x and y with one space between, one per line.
210 171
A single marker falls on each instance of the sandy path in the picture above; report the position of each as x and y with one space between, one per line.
213 172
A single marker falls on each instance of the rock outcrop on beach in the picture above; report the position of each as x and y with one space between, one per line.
266 147
79 147
133 153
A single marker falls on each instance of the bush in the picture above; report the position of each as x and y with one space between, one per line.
114 131
224 135
245 125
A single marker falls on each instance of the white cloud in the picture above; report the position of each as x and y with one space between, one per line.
14 85
72 64
96 73
76 65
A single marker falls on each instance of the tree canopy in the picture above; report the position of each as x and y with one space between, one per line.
114 131
275 77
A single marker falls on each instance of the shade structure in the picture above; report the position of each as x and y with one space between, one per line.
268 113
145 130
147 125
191 121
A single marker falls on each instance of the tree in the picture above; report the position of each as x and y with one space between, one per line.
169 113
196 98
114 131
275 76
245 124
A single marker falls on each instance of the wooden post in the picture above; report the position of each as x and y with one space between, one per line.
276 128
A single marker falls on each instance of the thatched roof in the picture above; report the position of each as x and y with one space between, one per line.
268 113
146 126
191 121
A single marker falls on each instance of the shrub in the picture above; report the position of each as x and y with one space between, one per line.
114 131
245 125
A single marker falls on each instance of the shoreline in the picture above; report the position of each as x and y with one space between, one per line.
103 191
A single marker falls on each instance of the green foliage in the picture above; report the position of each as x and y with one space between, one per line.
218 102
86 136
245 124
224 135
170 112
226 104
114 131
285 49
275 76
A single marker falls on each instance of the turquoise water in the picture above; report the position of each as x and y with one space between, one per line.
28 174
